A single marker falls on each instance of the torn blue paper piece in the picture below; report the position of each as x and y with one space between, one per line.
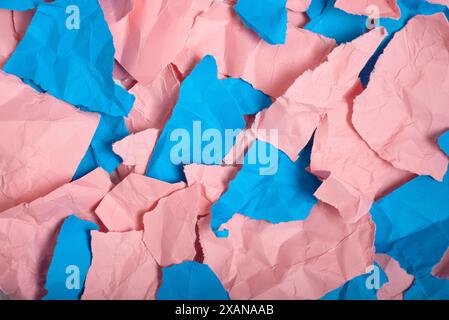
408 9
268 18
428 287
71 260
280 195
443 142
68 51
100 154
204 122
190 281
334 23
363 287
412 226
19 5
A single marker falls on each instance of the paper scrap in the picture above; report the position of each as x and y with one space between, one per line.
285 194
206 105
408 70
363 287
398 279
354 175
28 233
43 140
412 226
121 269
297 113
154 103
190 280
135 149
122 209
329 21
240 53
52 55
290 260
71 260
375 8
267 18
20 5
100 153
149 34
170 227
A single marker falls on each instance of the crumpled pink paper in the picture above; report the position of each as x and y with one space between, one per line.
123 208
241 53
42 143
121 268
297 113
148 34
293 260
136 149
170 227
443 2
398 279
213 179
13 25
126 265
296 11
387 8
28 233
400 115
154 103
354 174
8 41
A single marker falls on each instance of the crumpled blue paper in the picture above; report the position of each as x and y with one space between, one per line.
334 23
268 18
100 154
190 280
74 65
443 141
19 5
356 289
412 226
72 257
284 196
205 105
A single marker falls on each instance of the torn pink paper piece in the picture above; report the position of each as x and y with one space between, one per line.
28 233
297 113
402 112
443 2
42 143
13 25
372 8
240 53
121 268
149 34
355 175
154 103
441 269
292 260
170 227
298 5
122 77
136 149
213 179
8 39
398 279
123 208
